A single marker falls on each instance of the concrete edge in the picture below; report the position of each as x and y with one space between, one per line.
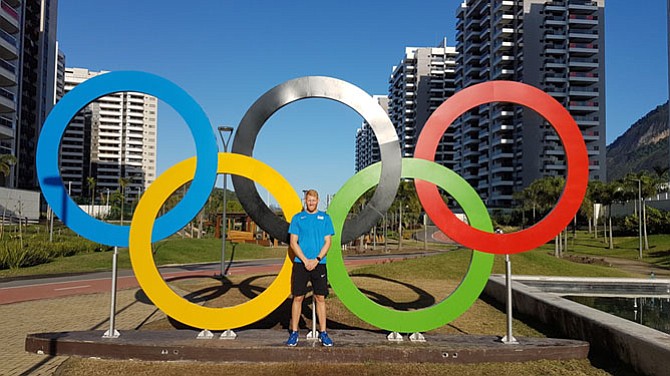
645 349
265 345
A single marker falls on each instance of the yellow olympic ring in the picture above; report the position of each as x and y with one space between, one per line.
152 282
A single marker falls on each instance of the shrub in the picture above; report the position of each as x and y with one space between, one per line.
35 250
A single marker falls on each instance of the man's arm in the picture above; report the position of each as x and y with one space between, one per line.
296 248
326 246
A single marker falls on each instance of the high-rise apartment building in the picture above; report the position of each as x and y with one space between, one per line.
557 46
112 138
422 80
27 67
367 147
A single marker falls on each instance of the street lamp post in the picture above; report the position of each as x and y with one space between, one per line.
225 132
639 213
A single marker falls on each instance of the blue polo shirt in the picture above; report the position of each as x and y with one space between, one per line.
311 229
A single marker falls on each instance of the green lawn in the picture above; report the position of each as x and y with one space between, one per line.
167 252
178 250
626 247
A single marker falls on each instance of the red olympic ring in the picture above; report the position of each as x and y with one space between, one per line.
575 150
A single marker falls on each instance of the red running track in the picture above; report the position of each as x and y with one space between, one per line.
50 290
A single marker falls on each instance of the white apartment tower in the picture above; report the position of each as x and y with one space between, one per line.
113 138
27 65
367 147
557 46
424 78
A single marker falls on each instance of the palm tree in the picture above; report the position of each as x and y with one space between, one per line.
6 163
90 181
123 182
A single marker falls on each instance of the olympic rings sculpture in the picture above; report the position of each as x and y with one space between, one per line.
428 176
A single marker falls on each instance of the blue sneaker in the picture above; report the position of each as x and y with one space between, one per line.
293 339
325 340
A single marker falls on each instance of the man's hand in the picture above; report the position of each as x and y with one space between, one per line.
311 264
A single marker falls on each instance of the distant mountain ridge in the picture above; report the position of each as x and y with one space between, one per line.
644 146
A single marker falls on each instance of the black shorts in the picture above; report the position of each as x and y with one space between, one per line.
300 276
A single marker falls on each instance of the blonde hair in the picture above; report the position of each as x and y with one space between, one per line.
311 192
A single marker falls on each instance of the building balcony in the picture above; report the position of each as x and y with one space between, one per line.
501 169
502 45
585 64
8 46
503 5
470 141
7 101
502 113
9 18
585 8
554 152
558 78
586 122
498 182
550 37
7 73
583 48
583 35
555 21
497 128
588 20
584 92
470 153
583 77
471 46
555 167
555 6
501 155
583 108
501 73
591 135
592 152
557 93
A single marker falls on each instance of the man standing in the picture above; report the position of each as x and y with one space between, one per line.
311 231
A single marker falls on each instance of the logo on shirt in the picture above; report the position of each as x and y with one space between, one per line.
320 217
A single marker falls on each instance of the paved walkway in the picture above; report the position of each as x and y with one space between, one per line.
81 312
87 308
634 266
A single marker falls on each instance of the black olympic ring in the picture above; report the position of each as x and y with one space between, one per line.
345 93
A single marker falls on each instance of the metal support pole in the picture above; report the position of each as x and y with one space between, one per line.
425 231
223 132
385 234
51 225
509 338
112 332
224 226
400 230
312 334
639 214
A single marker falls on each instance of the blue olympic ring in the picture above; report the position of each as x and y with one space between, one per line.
88 91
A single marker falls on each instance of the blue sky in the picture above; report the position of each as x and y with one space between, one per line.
228 53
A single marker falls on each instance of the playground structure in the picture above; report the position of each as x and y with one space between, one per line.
240 228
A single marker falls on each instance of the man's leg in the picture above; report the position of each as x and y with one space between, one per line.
321 311
296 311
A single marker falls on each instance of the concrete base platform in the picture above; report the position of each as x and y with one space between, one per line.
351 346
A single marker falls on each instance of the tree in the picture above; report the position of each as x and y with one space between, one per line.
6 163
123 183
90 182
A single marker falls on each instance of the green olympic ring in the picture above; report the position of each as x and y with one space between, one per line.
441 313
